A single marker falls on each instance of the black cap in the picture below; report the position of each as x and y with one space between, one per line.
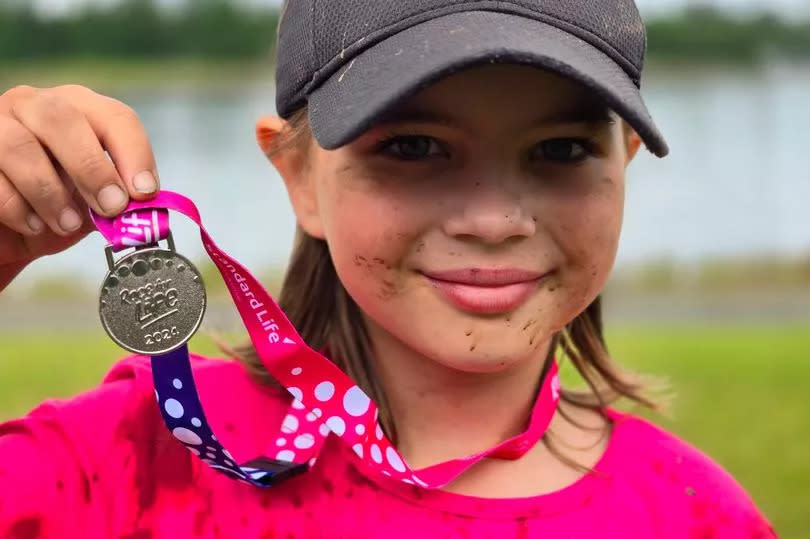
352 60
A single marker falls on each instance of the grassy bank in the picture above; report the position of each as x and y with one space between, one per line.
132 73
740 395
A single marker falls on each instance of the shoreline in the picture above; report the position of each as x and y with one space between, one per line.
138 72
786 307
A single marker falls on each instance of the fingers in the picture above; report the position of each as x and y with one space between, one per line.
28 170
15 212
123 135
65 132
63 150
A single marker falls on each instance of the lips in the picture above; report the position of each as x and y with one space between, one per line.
485 291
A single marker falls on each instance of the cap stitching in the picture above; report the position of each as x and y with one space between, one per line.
369 40
311 27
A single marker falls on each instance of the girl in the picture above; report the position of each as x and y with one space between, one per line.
457 173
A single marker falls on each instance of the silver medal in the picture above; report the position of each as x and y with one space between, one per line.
152 300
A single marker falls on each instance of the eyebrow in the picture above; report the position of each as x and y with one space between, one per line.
591 114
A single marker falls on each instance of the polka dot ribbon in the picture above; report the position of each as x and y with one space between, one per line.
325 400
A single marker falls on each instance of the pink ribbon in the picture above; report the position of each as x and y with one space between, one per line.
324 398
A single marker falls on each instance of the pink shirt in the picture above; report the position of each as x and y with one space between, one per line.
102 465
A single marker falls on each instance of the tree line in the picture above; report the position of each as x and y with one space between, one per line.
222 29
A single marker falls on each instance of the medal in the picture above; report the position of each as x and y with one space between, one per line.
152 300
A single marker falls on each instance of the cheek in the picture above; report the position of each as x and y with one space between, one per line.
371 232
587 230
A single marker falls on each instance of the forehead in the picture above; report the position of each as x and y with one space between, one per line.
502 93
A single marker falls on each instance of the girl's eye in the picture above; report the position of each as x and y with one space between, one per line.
563 150
411 147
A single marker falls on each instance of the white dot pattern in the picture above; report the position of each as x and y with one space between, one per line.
286 455
319 390
336 425
304 441
173 408
324 391
290 424
394 460
187 436
355 402
296 393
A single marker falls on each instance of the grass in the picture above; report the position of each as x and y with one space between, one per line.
740 395
132 72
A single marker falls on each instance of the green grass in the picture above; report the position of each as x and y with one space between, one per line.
128 73
741 395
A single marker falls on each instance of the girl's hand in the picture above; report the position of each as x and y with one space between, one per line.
53 166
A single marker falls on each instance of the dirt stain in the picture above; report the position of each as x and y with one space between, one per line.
26 528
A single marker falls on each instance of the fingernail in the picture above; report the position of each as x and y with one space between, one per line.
112 198
70 220
144 182
34 223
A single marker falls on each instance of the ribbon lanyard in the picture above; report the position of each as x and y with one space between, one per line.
152 302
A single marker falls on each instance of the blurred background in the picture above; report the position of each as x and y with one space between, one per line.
712 284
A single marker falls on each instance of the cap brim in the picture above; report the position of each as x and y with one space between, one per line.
353 98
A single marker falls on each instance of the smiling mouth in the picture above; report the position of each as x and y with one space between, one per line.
486 291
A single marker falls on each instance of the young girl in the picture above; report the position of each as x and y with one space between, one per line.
457 173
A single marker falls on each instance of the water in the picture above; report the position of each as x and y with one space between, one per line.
736 183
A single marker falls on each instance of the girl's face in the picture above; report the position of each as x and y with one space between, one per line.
480 217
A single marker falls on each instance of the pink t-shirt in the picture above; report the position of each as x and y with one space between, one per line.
102 465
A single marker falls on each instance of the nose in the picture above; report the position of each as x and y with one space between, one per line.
490 213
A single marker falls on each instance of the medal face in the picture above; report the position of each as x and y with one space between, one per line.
152 301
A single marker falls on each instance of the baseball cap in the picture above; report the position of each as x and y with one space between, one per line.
351 61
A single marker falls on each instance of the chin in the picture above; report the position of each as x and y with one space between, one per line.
481 360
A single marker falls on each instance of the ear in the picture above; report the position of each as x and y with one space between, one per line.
632 143
292 163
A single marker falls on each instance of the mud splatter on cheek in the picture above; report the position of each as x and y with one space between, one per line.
388 290
535 334
362 261
474 340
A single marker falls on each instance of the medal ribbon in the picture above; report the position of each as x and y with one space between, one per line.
324 398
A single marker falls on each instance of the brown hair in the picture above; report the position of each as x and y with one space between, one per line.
327 318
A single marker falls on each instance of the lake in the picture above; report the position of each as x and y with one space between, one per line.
736 183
